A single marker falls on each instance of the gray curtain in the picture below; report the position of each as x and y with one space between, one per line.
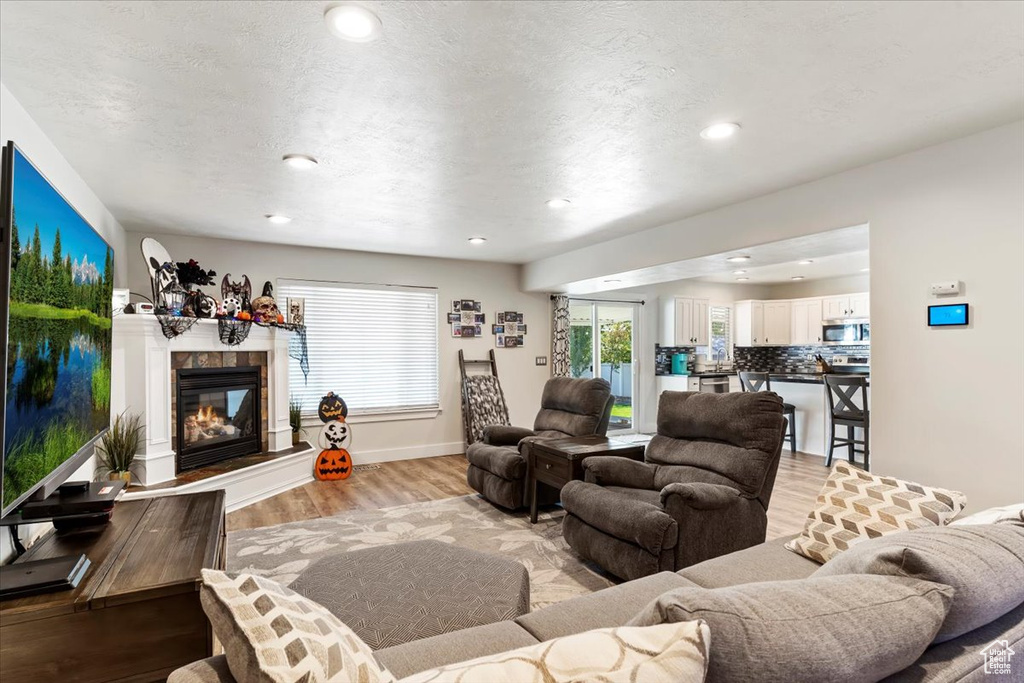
560 336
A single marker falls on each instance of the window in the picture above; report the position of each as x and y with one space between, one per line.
373 345
721 332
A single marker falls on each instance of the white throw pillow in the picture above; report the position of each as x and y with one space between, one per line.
667 652
271 634
1007 513
855 505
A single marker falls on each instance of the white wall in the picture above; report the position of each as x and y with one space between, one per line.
947 404
17 125
495 285
849 284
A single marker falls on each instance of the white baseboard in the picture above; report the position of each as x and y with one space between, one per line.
360 457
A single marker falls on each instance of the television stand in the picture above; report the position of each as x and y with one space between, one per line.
139 599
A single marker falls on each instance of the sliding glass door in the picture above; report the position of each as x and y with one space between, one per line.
602 344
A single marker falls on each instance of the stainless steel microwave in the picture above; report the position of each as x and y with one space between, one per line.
837 332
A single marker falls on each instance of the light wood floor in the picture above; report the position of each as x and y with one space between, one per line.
412 481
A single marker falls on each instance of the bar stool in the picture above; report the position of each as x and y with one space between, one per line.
848 406
754 381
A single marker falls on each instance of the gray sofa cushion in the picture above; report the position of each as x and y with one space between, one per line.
605 608
765 562
626 517
849 628
960 660
449 648
984 563
209 670
503 461
572 406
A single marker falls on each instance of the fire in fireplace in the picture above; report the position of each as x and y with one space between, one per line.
218 415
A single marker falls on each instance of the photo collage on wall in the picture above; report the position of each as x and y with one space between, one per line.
508 330
466 318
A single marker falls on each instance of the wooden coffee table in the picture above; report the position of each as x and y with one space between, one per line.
560 461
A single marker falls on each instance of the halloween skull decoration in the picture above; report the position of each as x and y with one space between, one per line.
332 408
335 435
333 464
264 308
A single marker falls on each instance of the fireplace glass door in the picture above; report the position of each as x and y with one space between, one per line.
218 415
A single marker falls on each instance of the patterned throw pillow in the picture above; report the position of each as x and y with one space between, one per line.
855 505
272 634
667 652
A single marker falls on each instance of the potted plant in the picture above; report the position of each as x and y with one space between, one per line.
295 419
116 450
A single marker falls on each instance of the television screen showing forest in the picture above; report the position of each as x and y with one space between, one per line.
58 340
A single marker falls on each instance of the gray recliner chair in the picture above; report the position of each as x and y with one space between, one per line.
568 407
702 491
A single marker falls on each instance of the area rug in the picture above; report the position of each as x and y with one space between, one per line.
556 573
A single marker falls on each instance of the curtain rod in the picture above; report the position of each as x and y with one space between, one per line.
601 301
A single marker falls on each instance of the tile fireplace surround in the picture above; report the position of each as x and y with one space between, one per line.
147 362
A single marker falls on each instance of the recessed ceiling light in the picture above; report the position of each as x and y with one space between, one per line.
300 161
477 240
742 279
353 23
797 277
805 262
612 281
864 270
738 259
278 218
558 203
720 131
739 272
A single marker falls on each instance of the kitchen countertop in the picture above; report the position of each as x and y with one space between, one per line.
803 377
699 374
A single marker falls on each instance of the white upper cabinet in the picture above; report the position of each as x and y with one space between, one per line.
848 306
685 322
807 315
777 322
750 330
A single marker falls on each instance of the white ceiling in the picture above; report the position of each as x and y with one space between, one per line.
822 267
466 116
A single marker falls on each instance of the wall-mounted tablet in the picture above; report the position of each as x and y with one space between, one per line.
948 315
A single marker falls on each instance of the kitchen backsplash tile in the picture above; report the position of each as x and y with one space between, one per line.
663 358
790 358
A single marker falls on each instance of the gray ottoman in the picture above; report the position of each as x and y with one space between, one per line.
397 593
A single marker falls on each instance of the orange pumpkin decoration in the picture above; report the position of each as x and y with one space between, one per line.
333 464
244 315
280 318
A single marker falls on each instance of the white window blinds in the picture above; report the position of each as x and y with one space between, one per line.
721 332
375 346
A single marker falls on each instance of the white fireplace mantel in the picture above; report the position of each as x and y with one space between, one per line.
142 383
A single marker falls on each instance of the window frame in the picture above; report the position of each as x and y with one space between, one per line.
309 413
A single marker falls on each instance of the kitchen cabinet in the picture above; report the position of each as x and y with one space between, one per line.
762 323
685 322
777 322
849 306
806 320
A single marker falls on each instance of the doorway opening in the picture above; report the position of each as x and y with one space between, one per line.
602 343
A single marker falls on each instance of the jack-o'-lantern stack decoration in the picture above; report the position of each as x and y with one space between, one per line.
334 461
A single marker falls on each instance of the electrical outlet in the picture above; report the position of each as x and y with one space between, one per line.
541 360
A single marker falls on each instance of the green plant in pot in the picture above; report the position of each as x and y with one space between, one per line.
116 451
295 419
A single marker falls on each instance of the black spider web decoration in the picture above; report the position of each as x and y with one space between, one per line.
173 326
233 332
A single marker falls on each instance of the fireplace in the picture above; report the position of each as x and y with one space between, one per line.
217 415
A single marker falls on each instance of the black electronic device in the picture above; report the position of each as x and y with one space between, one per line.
42 576
97 498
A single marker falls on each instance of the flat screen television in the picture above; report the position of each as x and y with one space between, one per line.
57 275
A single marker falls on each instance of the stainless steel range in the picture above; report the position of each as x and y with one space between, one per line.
851 365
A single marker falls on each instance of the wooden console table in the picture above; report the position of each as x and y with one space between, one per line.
136 615
559 461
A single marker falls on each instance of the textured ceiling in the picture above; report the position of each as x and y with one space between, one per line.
466 116
821 267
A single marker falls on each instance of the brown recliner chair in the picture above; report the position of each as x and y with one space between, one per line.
702 491
568 407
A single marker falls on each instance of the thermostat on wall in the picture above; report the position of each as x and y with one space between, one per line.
951 288
948 315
